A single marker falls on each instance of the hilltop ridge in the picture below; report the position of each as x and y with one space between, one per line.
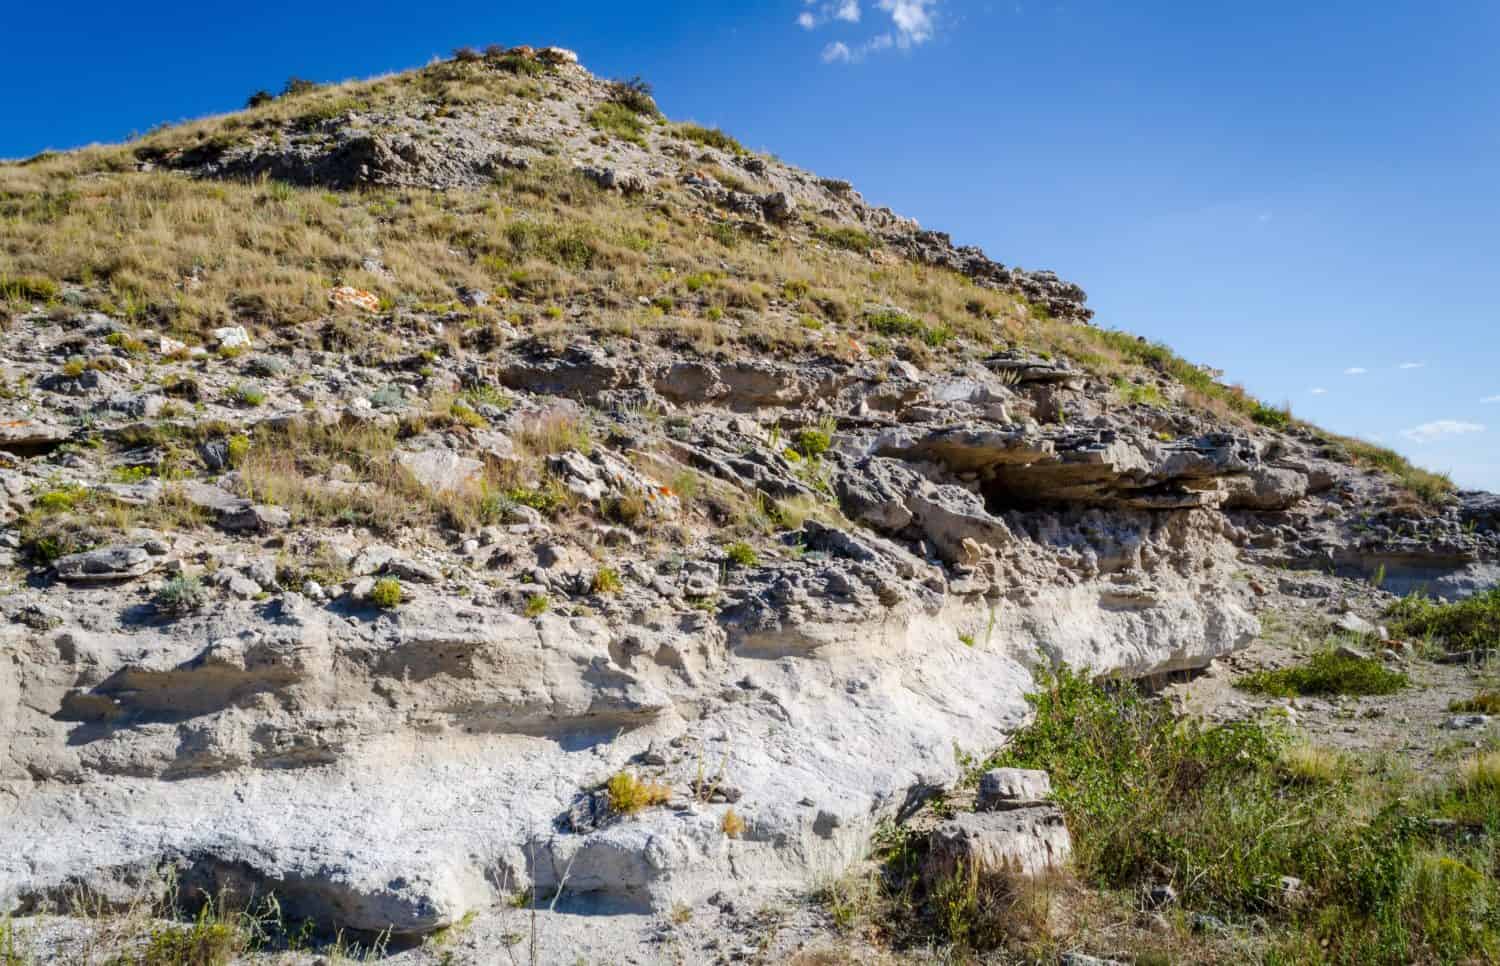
389 467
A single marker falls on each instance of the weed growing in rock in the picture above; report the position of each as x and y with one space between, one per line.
1327 672
537 605
732 825
387 593
741 554
629 794
181 595
607 581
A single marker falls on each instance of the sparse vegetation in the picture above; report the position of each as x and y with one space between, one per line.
1327 672
629 794
538 604
709 137
732 825
1472 624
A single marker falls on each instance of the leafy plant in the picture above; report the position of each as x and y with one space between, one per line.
387 593
181 595
537 605
741 554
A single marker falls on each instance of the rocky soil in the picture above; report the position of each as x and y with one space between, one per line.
785 588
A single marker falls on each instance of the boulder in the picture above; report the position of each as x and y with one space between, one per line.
441 470
1005 789
1024 842
105 565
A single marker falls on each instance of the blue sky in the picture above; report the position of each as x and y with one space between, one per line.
1304 195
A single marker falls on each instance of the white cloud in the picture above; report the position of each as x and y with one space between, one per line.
913 20
1318 391
1440 429
806 20
1490 399
1412 365
848 11
1355 371
837 52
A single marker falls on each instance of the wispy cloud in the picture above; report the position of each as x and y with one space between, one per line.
837 52
1490 399
1441 429
912 23
818 13
1412 365
1318 391
912 18
1355 371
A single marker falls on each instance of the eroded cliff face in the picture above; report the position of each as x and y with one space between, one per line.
400 768
787 584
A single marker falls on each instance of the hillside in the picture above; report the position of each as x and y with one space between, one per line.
427 494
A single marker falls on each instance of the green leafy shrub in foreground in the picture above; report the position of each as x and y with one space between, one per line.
1223 813
1327 672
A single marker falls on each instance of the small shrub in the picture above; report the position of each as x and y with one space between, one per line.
813 443
537 605
517 64
467 55
1271 416
1327 672
62 500
619 121
709 137
298 85
1472 624
607 581
1485 702
247 395
237 448
259 98
629 794
635 95
732 825
741 554
847 237
387 593
27 288
180 595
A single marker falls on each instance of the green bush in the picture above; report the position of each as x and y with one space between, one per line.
181 595
813 443
635 95
607 581
846 237
710 137
537 605
1327 672
386 594
620 121
741 554
1214 811
1271 416
1472 624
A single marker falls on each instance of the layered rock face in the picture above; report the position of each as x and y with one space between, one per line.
400 768
207 674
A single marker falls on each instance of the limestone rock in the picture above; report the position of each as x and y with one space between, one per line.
105 565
